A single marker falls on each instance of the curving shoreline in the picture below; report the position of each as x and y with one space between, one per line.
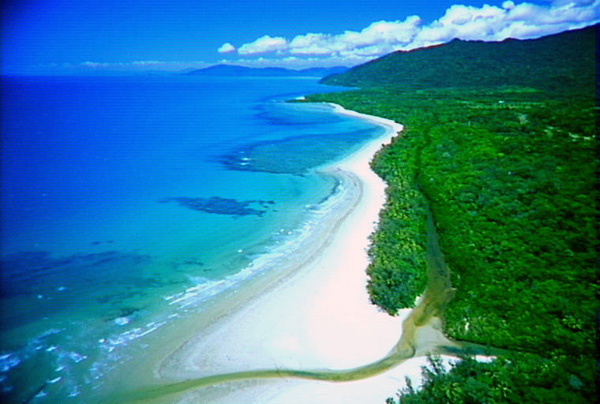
320 317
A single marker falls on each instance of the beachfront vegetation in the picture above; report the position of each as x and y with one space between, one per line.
500 381
509 172
396 275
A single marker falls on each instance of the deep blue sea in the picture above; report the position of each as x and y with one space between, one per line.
129 201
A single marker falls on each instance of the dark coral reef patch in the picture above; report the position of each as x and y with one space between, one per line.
223 206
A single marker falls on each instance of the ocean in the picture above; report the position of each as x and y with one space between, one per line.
128 203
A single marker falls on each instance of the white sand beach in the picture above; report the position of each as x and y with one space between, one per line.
320 317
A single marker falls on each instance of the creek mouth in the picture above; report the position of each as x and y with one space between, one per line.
422 335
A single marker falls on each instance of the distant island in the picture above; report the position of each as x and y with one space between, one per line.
224 70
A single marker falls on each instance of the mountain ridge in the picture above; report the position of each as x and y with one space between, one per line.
564 60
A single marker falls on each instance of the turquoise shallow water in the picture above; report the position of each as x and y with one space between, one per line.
129 202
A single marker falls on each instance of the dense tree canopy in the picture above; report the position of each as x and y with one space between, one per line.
510 173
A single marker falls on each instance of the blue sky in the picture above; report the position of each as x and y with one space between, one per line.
69 35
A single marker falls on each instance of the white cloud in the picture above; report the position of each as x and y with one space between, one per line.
263 44
486 23
226 48
299 62
490 23
382 35
560 3
312 44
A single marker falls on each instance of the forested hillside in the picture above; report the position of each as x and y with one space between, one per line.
561 62
509 168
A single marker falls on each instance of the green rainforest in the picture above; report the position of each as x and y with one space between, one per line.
500 144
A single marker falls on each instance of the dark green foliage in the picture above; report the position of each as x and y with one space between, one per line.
510 174
397 273
512 186
515 205
520 379
564 61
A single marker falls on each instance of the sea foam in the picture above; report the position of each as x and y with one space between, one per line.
281 247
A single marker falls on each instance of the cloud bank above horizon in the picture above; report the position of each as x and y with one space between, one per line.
511 19
486 23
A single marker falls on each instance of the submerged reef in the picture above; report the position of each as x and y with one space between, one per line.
222 206
310 151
